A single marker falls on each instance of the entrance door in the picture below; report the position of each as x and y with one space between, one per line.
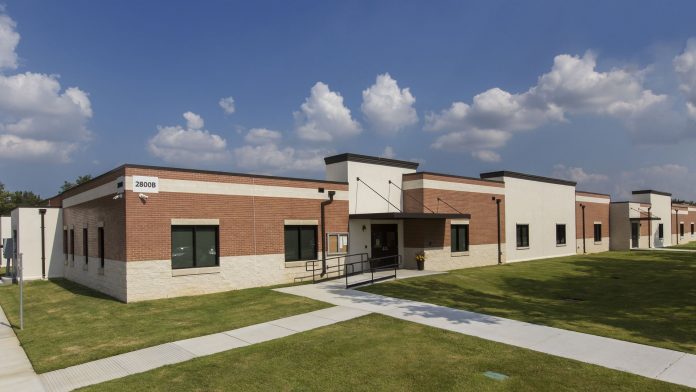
634 234
385 242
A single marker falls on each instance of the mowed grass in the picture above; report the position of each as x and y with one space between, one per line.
643 297
66 324
689 245
378 353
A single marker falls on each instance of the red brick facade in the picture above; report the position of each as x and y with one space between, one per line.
594 212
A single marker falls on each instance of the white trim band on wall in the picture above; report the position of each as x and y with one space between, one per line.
301 222
194 221
589 199
452 186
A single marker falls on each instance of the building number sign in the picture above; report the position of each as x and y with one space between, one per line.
143 184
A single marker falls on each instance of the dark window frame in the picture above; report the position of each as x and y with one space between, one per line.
660 231
561 235
313 254
681 229
66 248
455 235
524 241
193 229
85 244
100 245
597 232
72 244
692 228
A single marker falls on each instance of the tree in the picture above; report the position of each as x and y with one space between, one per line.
79 180
11 200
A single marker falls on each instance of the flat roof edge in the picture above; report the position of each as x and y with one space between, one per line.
529 177
456 176
370 159
644 191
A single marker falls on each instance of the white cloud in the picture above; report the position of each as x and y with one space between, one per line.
666 177
323 117
9 38
685 67
573 86
486 155
193 121
388 152
176 144
273 159
227 105
578 175
388 108
260 136
39 120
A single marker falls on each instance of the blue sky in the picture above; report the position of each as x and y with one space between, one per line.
597 92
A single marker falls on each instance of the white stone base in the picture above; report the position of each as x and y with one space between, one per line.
442 259
111 280
593 247
155 278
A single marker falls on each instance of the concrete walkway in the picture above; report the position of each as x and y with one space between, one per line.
16 372
183 350
665 250
657 363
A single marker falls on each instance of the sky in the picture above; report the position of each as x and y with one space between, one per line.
602 93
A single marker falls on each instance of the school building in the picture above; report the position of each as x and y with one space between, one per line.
144 232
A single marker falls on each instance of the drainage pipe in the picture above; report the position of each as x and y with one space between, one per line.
500 253
323 231
42 212
584 249
650 235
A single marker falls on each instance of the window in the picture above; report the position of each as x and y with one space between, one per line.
300 243
681 229
194 246
692 229
72 244
660 231
597 232
100 245
337 243
560 235
65 242
460 238
85 245
522 236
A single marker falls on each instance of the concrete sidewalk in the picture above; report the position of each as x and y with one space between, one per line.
16 372
183 350
657 363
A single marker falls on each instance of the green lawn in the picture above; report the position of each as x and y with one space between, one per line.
67 324
644 297
688 245
378 353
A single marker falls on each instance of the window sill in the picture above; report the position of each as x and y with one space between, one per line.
458 254
522 248
598 242
196 271
561 245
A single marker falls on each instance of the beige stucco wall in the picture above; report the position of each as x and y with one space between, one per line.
27 222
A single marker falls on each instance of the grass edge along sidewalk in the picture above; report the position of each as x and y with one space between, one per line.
67 324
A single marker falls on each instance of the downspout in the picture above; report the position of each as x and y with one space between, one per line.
649 228
584 249
676 224
42 212
323 231
500 253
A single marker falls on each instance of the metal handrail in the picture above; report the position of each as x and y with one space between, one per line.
373 269
363 256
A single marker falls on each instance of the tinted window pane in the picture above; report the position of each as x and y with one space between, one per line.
292 241
560 235
598 232
182 247
460 238
206 246
308 242
522 236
